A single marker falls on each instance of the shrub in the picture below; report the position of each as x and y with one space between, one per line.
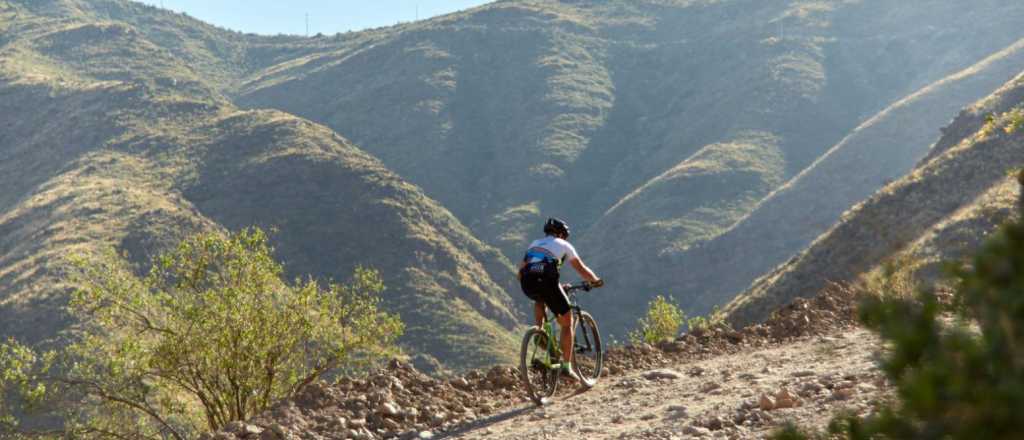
213 334
895 278
715 319
962 379
662 322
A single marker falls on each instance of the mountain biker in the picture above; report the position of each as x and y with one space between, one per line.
538 277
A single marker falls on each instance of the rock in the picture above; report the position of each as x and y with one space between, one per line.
843 384
391 424
803 373
677 411
672 346
618 419
709 387
389 409
766 403
251 431
357 424
696 431
786 399
461 383
713 423
426 435
865 388
276 432
663 374
411 413
809 389
842 394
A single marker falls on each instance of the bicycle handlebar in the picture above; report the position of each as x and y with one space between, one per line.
584 286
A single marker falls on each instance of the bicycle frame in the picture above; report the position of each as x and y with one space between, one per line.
554 348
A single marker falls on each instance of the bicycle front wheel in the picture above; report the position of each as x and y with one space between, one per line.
588 355
536 366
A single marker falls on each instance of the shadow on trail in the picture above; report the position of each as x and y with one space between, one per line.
526 408
490 420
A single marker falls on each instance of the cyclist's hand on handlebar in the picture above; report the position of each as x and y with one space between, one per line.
587 285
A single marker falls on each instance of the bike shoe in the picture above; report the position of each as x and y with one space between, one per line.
570 374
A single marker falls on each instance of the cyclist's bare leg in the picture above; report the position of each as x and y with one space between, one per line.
565 322
538 313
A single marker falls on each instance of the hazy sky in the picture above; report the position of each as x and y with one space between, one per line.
326 16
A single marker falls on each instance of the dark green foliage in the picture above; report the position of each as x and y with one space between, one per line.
960 379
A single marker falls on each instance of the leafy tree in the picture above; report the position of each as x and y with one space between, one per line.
962 379
212 334
661 322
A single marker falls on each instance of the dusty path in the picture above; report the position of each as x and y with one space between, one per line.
719 397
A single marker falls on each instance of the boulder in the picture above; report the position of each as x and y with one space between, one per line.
664 373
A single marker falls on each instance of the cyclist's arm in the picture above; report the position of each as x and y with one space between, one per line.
583 270
519 272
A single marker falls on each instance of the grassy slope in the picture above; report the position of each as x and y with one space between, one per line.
877 152
940 196
111 138
515 111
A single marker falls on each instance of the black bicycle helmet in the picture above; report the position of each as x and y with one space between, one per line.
556 227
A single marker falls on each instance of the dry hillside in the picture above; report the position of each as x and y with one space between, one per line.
674 135
945 206
111 138
655 127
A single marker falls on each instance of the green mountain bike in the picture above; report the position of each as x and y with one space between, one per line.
540 358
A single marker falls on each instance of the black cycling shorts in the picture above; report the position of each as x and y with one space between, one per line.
540 283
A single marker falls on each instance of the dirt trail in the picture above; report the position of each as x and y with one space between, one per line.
719 397
805 363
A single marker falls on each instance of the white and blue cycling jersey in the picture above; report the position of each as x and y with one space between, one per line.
550 249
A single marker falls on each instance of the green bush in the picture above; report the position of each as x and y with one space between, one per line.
714 319
213 334
959 379
662 322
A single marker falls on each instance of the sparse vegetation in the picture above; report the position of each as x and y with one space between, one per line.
662 322
1009 122
894 278
212 334
714 319
957 379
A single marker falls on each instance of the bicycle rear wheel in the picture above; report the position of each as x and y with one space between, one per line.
535 361
588 355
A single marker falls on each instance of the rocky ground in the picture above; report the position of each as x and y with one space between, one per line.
804 364
737 396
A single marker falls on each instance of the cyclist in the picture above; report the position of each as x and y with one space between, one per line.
538 277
